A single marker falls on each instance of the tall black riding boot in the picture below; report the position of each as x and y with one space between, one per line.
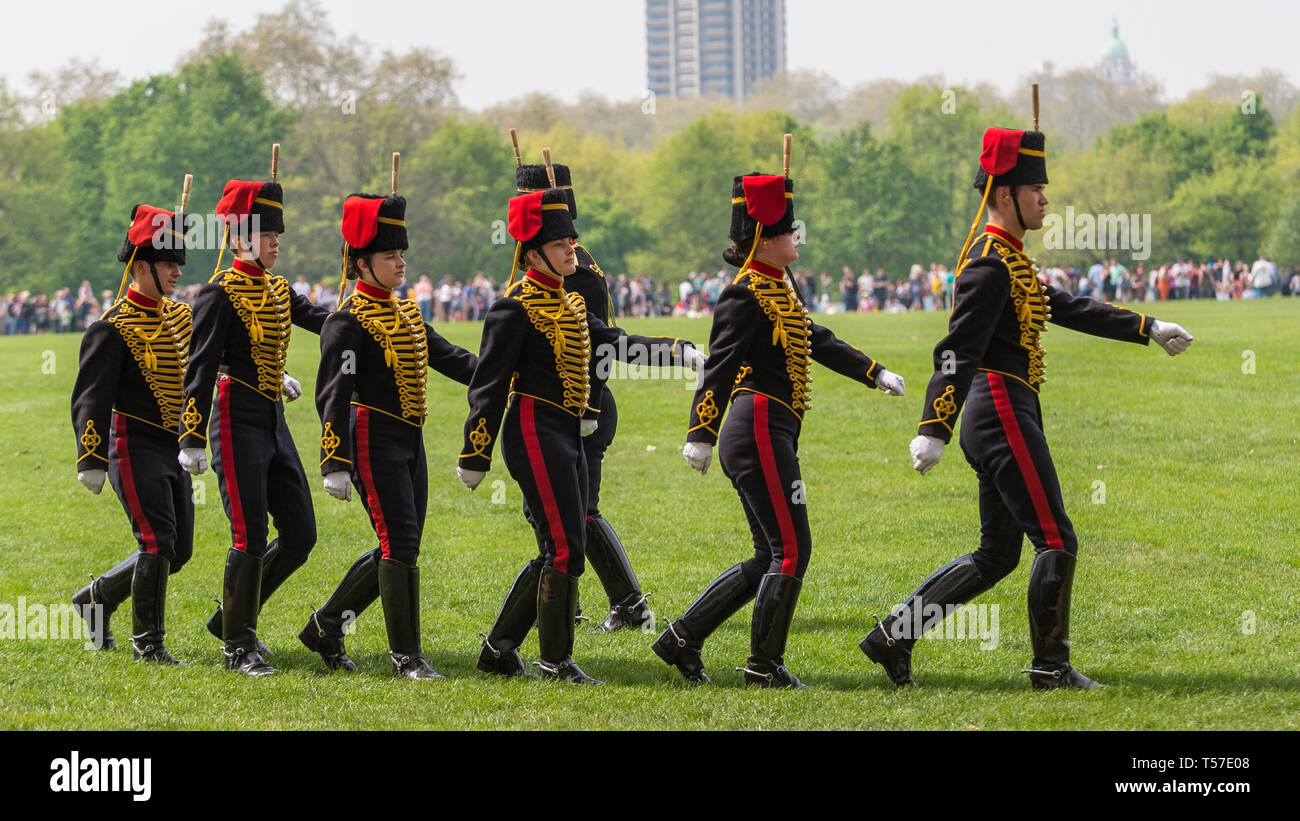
239 606
557 603
323 633
889 643
500 654
627 606
1050 582
773 611
148 605
399 588
105 594
275 569
681 643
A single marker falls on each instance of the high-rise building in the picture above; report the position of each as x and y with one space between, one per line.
699 47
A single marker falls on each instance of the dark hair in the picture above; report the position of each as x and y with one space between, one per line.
732 255
353 272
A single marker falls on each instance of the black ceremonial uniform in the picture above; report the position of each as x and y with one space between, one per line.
370 394
125 407
242 321
627 604
534 369
760 347
991 363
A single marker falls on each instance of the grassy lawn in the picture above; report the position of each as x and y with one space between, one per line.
1185 600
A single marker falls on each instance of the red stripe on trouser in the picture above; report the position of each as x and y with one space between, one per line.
368 481
763 438
1027 470
228 463
128 487
538 465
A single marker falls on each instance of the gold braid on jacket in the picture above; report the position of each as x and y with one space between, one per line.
790 329
160 344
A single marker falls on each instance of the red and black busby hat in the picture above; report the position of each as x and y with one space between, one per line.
373 223
1012 157
155 235
243 199
540 217
761 204
530 179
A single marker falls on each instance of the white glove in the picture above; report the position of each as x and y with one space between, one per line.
339 485
698 455
587 427
926 452
1170 336
471 478
194 460
290 387
891 383
693 358
92 479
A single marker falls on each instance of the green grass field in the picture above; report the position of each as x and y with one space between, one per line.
1185 600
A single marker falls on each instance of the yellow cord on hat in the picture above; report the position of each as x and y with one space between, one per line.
222 250
126 274
988 187
757 234
343 280
514 268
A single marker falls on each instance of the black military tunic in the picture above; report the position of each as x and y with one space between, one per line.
991 363
242 319
536 358
125 408
370 394
759 351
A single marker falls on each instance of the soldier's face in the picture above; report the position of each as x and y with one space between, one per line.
782 249
1033 205
266 247
561 255
388 268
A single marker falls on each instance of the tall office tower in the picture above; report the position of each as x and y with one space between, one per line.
698 47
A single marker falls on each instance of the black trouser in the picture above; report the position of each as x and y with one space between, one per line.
542 450
154 490
594 447
758 451
1019 494
390 474
259 472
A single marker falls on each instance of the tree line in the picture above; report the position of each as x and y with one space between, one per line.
883 173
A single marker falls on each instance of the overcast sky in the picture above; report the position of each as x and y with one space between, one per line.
1179 43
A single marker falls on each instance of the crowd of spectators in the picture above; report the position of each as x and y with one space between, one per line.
458 300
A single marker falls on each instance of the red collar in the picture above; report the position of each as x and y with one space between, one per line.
373 291
766 270
139 300
247 267
1003 234
545 280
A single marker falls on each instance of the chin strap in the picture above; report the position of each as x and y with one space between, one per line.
1016 202
154 273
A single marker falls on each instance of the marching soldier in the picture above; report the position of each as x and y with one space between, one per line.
126 405
628 607
759 351
370 394
242 319
535 357
991 363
